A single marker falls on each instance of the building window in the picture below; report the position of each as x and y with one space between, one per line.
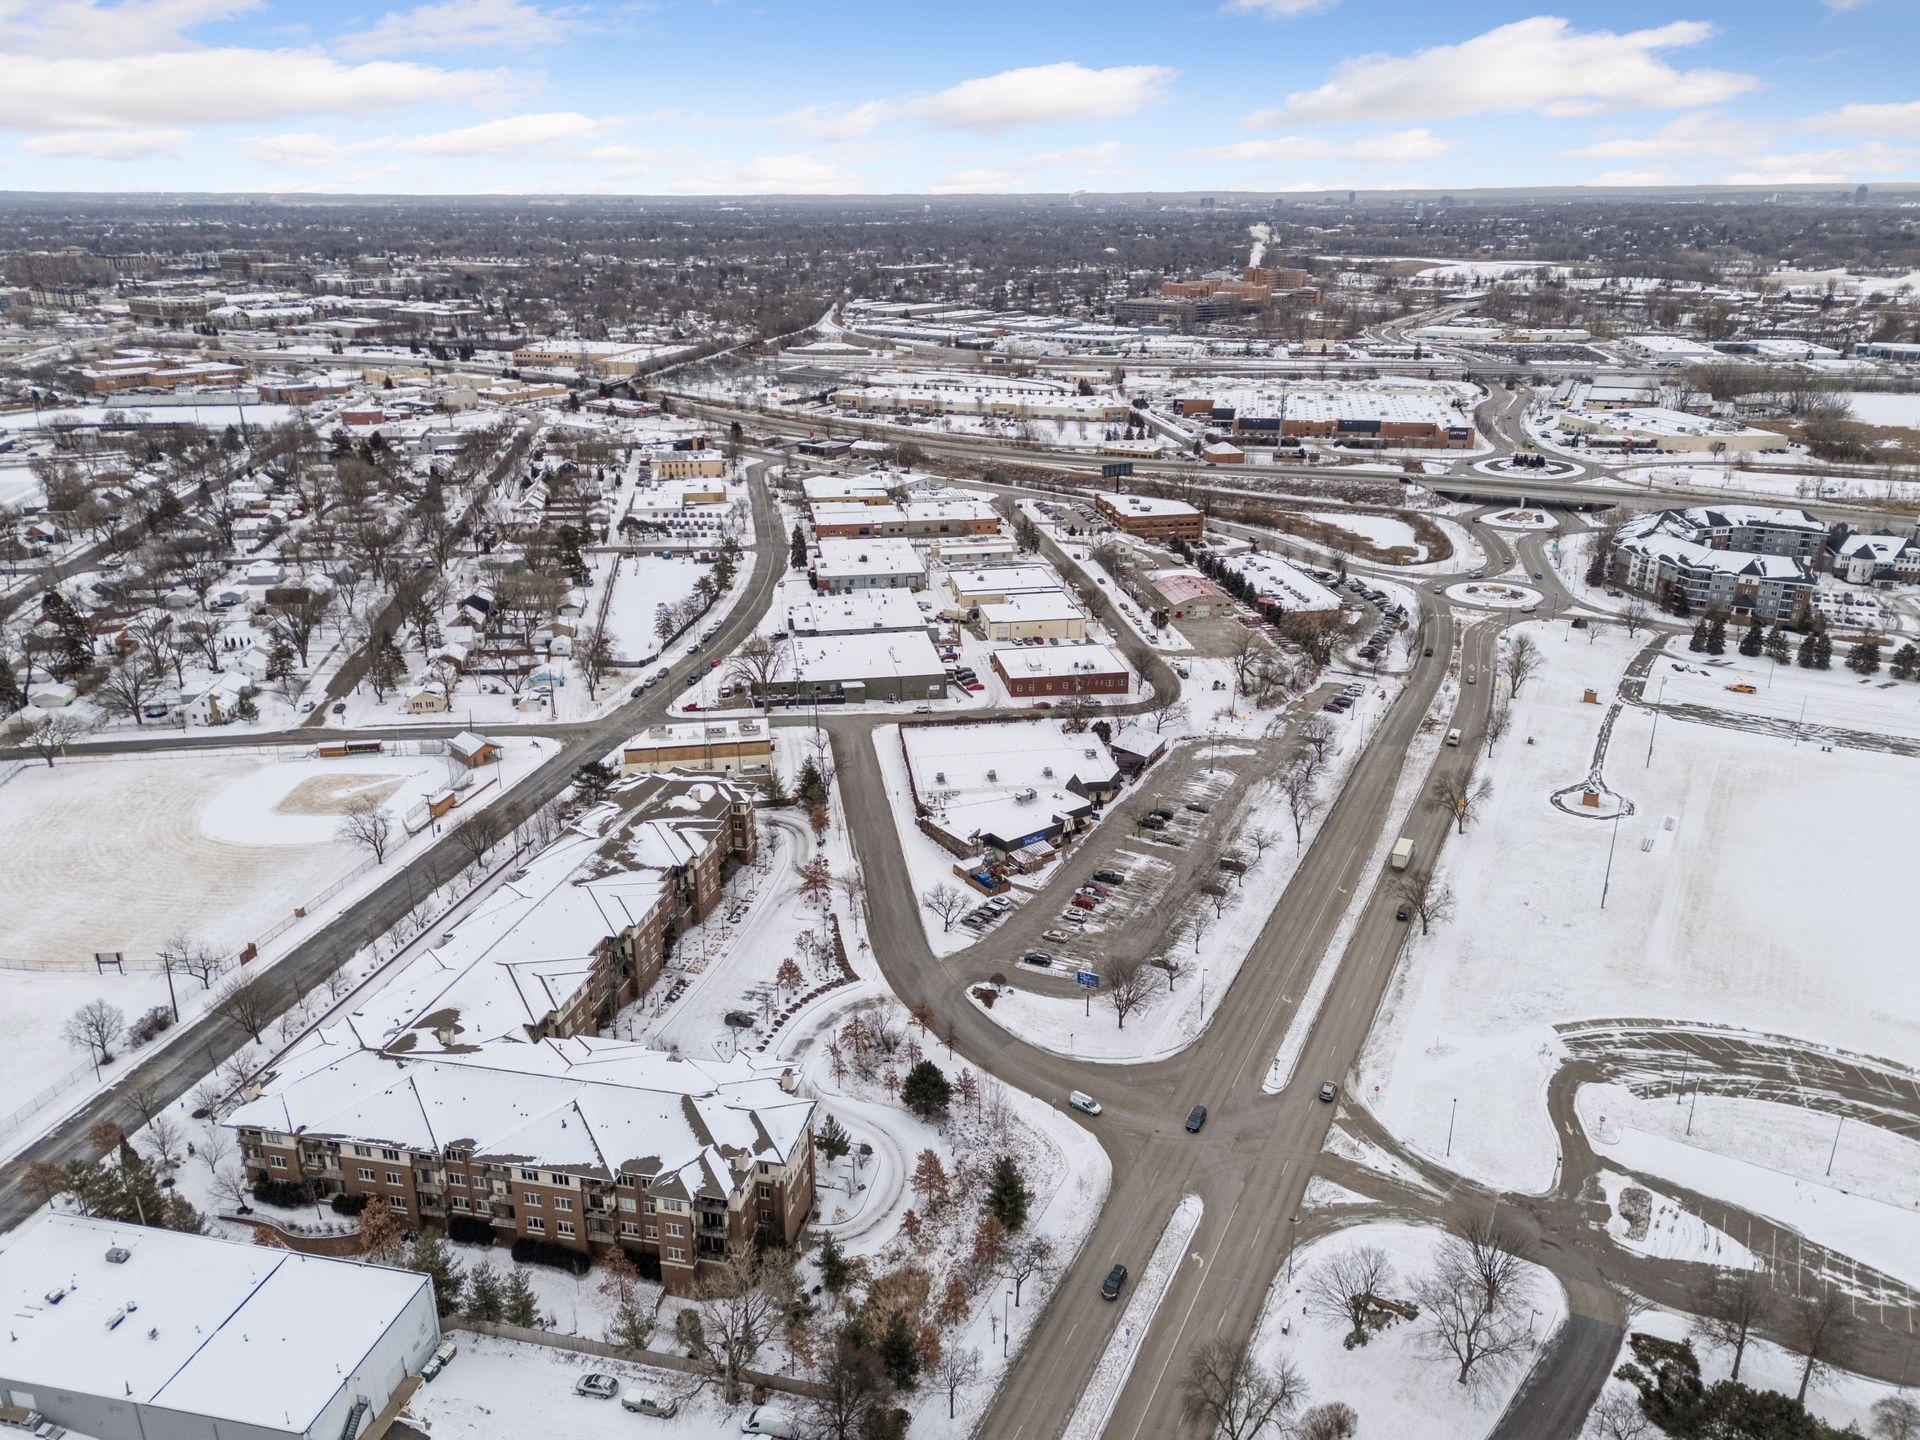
529 1174
459 1202
362 1151
563 1227
626 1203
535 1225
278 1162
653 1232
389 1154
675 1231
531 1199
629 1227
558 1180
396 1202
563 1202
393 1177
647 1207
766 1192
365 1173
677 1255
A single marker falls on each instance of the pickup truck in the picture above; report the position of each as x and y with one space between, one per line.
1402 855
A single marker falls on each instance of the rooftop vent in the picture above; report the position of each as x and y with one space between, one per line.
118 1255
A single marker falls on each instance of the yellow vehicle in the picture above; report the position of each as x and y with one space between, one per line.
1743 689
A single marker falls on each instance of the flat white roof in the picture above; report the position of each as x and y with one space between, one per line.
240 1332
878 556
1026 662
1148 505
856 612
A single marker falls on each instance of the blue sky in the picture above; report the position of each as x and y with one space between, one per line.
813 96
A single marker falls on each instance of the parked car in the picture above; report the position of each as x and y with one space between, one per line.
600 1387
1198 808
766 1420
1038 957
1400 912
1084 1102
642 1401
1083 902
1110 877
1116 1280
1196 1117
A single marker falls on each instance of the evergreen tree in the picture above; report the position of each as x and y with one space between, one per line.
1698 641
1717 636
926 1091
245 710
1864 658
833 1140
797 548
485 1299
835 1272
811 786
429 1255
386 666
773 789
1751 642
1007 1194
1678 603
592 781
1822 651
1906 664
899 1355
12 697
280 658
1806 652
519 1305
1777 645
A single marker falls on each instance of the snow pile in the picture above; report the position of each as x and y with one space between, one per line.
1109 1376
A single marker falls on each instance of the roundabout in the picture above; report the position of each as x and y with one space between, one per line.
1494 595
1520 518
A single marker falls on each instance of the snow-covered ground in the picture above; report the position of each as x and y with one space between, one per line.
1872 407
1396 1383
1667 1230
1384 531
1787 694
1695 925
1747 480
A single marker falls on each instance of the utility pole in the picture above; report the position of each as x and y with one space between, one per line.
1607 883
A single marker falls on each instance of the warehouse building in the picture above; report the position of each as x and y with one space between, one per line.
123 1332
1150 516
1048 671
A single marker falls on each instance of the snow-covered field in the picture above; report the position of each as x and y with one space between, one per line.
1787 694
1696 925
1670 1231
1395 1383
1384 531
1872 407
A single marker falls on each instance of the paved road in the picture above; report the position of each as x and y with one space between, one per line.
203 1043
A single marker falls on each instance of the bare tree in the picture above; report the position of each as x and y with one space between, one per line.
1523 661
50 735
243 999
1896 1417
1127 982
95 1027
1634 615
1732 1303
594 654
947 901
1473 1303
1031 1259
1499 721
1458 793
1618 1415
1317 735
1430 903
1334 1420
1300 789
366 824
757 664
1174 715
738 1312
1819 1324
1349 1281
128 687
166 1141
958 1370
476 835
1230 1393
1261 839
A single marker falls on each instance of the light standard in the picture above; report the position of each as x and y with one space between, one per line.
1607 882
1293 1239
1006 1323
1452 1113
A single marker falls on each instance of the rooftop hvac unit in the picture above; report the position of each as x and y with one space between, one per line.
993 777
939 777
1047 771
118 1255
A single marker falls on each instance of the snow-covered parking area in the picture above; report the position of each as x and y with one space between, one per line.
1722 888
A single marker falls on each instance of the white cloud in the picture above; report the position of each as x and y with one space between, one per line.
1066 169
1837 166
512 135
795 174
59 28
305 148
1705 132
458 25
978 180
836 122
1276 9
218 86
1901 118
1654 175
109 145
1841 7
1540 64
1046 94
1391 148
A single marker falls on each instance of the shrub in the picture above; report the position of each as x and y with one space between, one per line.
470 1230
529 1251
290 1194
152 1023
986 995
344 1204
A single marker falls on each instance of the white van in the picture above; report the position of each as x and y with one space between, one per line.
1453 737
643 1400
766 1420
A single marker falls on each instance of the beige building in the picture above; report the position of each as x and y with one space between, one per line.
731 747
1037 615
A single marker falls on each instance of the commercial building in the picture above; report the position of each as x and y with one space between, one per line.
589 357
996 584
728 747
858 612
1036 615
845 565
851 520
1006 404
853 668
1087 669
1007 789
123 1332
1150 516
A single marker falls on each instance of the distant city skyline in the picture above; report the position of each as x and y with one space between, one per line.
687 97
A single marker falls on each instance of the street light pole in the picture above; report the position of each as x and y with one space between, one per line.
1607 883
1451 1114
